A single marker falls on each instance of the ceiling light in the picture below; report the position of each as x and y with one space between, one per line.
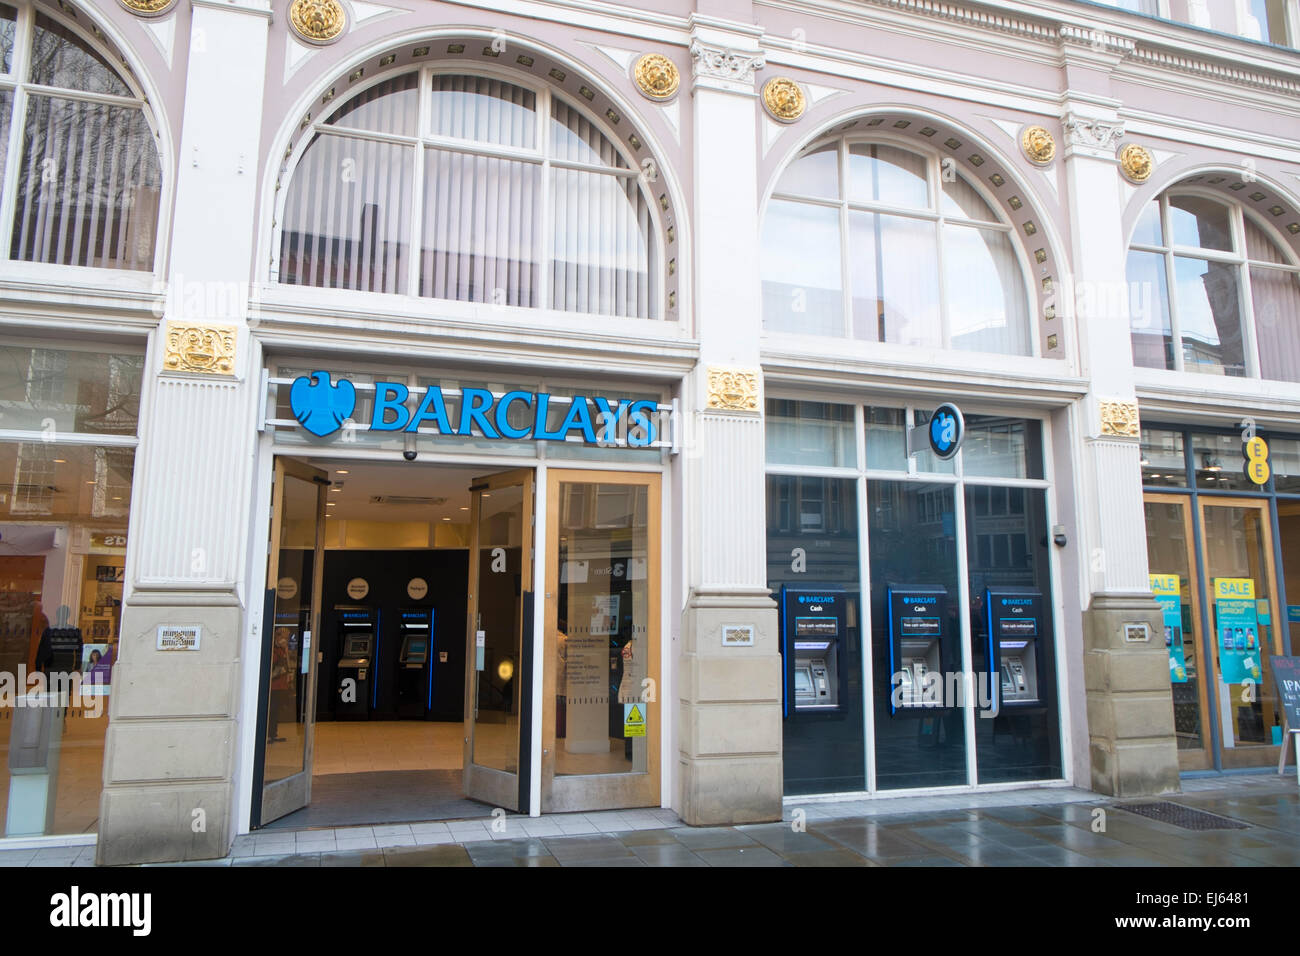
60 461
341 471
464 507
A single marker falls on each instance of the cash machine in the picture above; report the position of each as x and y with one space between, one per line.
1013 623
917 616
414 662
814 631
358 637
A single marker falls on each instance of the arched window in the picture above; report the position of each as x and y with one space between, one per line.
871 241
81 172
1235 300
508 195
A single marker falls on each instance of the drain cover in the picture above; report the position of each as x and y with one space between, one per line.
1181 816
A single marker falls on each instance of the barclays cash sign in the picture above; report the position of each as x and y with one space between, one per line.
324 407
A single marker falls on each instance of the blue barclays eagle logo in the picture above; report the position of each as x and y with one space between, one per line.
319 406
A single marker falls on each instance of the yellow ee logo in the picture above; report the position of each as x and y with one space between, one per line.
1256 452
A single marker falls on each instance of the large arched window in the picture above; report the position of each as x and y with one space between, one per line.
1235 303
508 195
81 173
871 241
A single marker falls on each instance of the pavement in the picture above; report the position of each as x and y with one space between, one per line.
1053 826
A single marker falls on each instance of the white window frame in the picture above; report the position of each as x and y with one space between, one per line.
1238 257
16 82
424 138
934 166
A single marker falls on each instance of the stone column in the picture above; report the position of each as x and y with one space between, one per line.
730 690
171 751
1132 749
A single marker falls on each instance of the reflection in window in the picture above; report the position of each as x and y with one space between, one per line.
1189 244
878 220
524 202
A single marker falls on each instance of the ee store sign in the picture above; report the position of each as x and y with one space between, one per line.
323 407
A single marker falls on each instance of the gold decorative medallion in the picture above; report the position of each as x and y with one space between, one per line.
1136 163
783 99
317 21
200 348
656 77
1039 147
1120 419
733 389
148 8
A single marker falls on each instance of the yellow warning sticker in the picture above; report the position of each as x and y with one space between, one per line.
633 720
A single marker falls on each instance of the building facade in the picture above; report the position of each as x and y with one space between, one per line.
540 332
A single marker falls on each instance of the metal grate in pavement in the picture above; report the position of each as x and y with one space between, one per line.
1181 816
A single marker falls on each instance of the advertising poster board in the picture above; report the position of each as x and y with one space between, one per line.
1236 630
1168 591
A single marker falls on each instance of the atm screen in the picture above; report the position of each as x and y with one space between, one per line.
357 647
415 649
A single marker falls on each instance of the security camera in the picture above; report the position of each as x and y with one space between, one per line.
409 454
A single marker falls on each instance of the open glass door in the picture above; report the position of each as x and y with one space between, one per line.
601 717
287 699
497 679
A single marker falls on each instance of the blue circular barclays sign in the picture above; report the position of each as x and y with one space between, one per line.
946 431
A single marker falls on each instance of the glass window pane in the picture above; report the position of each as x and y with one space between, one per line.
604 644
1210 317
894 264
64 497
997 447
483 110
823 752
353 232
1260 245
1163 461
61 58
1148 231
962 200
388 107
482 226
603 245
93 392
576 139
1152 336
886 438
810 433
912 541
802 285
1284 461
1200 222
88 186
501 540
816 174
6 116
1169 556
987 309
1219 463
1020 737
1275 296
887 175
8 27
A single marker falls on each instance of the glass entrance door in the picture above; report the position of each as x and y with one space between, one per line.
499 639
1171 558
601 713
287 700
1238 549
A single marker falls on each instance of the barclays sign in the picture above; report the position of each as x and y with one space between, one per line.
324 407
